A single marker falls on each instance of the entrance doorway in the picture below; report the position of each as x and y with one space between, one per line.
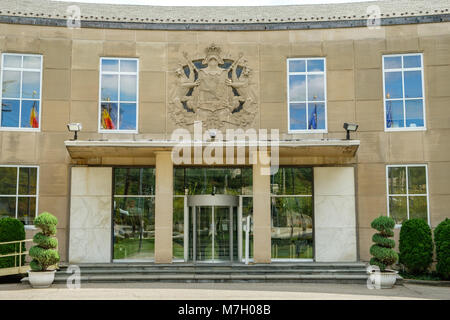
213 228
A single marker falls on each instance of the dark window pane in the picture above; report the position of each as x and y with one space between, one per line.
30 114
316 116
7 207
412 61
414 113
10 113
11 84
303 181
297 66
292 228
398 209
134 228
134 181
27 181
178 181
392 62
31 84
417 181
394 114
393 82
397 180
178 228
297 115
26 210
247 210
297 88
109 116
418 208
315 65
8 180
413 84
127 116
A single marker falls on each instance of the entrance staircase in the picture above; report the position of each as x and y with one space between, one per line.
188 272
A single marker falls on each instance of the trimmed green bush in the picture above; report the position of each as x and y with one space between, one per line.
442 242
45 253
11 230
382 250
416 246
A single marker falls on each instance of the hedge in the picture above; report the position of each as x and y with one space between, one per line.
11 230
416 246
442 242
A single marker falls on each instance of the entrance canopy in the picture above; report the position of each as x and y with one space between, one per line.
98 149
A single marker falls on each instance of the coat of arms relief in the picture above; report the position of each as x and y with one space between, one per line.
215 89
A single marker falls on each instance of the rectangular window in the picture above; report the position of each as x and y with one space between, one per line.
134 214
404 102
118 95
407 190
19 193
292 214
307 106
21 91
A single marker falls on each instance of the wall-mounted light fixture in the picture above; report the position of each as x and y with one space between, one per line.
74 127
350 127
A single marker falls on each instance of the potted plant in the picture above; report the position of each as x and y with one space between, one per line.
383 253
45 253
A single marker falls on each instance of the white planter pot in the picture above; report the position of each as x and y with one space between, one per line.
41 279
383 280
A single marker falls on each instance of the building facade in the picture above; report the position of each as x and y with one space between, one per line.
142 79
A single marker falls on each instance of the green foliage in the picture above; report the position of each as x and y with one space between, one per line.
416 246
45 253
11 230
442 242
382 252
47 223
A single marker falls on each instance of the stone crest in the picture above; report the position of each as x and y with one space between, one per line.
215 89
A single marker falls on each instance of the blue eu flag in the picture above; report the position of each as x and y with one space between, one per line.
313 121
389 120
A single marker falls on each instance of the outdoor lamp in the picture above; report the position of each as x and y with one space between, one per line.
74 127
350 127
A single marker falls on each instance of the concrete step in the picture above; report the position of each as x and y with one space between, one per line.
227 272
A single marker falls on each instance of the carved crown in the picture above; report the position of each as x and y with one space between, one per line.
213 50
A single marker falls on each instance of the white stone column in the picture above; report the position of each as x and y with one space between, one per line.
261 213
90 215
163 207
334 214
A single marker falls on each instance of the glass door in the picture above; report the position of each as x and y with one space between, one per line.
223 233
204 244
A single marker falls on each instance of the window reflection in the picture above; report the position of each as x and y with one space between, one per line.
134 213
404 103
21 91
307 105
118 107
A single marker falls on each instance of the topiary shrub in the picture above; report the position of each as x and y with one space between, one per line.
416 246
382 251
442 242
11 230
45 253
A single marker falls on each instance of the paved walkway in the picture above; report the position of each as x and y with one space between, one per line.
222 291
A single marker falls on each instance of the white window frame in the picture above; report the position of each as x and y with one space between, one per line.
406 166
402 70
21 70
17 195
306 73
100 129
